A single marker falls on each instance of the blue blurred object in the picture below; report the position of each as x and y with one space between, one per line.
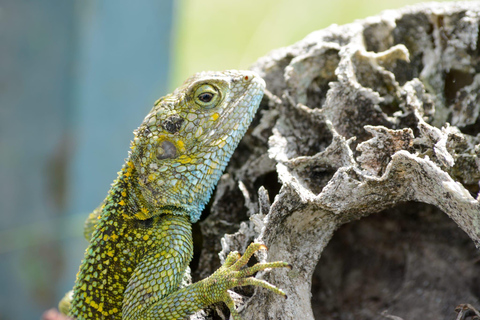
76 78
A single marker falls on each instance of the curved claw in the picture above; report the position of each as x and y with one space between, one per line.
259 283
251 249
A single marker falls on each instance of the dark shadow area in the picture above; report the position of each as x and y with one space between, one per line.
455 80
415 32
472 129
318 88
197 246
317 91
270 182
411 261
316 176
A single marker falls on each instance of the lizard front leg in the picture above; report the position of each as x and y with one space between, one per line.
213 289
153 289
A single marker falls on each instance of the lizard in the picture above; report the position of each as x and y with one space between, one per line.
141 236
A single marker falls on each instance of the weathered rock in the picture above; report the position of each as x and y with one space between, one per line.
377 115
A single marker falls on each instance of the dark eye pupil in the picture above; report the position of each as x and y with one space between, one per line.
206 97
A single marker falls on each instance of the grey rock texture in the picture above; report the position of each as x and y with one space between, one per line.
380 115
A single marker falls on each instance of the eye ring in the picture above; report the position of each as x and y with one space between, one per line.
207 96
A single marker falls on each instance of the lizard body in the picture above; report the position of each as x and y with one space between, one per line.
141 240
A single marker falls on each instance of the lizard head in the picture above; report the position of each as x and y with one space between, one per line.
184 143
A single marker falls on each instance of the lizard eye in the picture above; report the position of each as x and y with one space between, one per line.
207 96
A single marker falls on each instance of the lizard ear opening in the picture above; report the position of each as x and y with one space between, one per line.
166 150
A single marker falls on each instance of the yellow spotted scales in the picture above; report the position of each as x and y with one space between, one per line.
140 237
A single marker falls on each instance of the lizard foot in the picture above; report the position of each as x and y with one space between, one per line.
231 275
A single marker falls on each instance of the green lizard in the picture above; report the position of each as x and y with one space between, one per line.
140 237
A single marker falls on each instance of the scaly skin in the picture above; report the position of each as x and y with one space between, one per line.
141 238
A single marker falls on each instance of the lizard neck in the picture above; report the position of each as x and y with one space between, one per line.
126 197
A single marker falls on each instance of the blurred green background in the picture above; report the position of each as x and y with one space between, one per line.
232 34
76 78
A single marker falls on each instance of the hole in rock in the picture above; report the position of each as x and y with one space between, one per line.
232 205
318 88
454 81
405 71
377 36
390 108
415 31
317 92
270 182
472 129
241 155
411 260
316 177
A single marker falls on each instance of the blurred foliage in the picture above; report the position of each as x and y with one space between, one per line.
233 34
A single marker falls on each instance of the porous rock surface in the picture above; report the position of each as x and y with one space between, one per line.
380 115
